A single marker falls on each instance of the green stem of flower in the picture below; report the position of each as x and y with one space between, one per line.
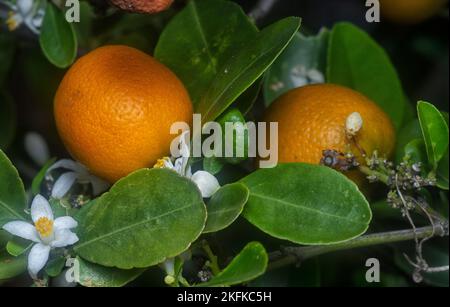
293 255
213 262
370 172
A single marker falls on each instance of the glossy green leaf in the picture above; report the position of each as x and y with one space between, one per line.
94 275
146 217
416 151
213 165
57 39
225 206
17 246
250 263
222 49
355 60
435 131
246 101
443 167
302 62
55 266
407 133
11 266
306 204
7 119
209 33
12 192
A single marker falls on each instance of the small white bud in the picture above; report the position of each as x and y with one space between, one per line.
353 124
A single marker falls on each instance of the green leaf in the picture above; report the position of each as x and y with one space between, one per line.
408 133
7 119
145 218
306 204
435 131
17 246
94 275
6 55
225 206
12 192
355 60
55 266
213 165
11 266
246 101
303 54
57 39
247 66
416 151
222 49
250 263
37 181
443 167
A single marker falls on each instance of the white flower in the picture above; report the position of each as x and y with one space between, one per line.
28 12
46 232
77 172
206 183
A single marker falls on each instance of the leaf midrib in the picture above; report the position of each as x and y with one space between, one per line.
8 208
307 208
126 228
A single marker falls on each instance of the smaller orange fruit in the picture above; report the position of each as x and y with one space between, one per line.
314 118
114 109
410 11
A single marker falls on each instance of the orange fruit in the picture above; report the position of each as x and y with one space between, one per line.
313 118
114 109
410 11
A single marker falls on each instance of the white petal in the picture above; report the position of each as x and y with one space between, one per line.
40 208
70 165
37 258
98 185
64 238
35 144
24 6
64 222
206 183
63 184
23 230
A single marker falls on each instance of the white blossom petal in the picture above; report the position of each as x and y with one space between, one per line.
37 258
24 6
64 222
64 238
22 229
206 183
40 208
63 184
70 165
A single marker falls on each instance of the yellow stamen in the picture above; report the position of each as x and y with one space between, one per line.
44 226
11 22
161 163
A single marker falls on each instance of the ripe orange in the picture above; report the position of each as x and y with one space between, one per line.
114 109
410 11
312 119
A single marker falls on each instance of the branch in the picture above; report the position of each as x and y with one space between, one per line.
261 9
295 255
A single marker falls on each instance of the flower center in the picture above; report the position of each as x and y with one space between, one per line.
161 163
44 226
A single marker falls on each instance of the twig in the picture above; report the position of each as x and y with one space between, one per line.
296 255
261 9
